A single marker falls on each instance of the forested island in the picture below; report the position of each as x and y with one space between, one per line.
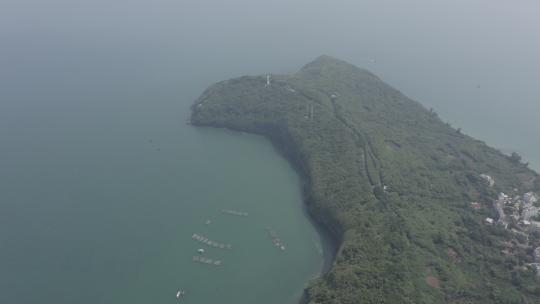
420 212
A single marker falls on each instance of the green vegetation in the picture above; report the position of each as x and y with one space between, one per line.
390 181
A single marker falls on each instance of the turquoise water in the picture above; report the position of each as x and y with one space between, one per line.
102 185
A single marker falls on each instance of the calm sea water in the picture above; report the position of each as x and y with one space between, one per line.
102 184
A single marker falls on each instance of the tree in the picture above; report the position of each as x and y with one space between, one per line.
516 158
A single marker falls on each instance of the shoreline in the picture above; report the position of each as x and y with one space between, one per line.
379 241
330 240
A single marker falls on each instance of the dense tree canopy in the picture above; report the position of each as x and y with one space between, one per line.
392 183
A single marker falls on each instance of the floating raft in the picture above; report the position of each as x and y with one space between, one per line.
233 212
275 239
203 260
208 242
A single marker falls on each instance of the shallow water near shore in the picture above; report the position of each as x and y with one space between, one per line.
103 185
98 215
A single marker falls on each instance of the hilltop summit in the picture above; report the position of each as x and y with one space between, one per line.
392 183
327 67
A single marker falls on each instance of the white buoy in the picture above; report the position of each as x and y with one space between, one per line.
180 294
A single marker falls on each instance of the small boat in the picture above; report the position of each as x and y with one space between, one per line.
200 250
180 294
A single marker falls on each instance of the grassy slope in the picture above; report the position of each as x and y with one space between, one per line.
367 137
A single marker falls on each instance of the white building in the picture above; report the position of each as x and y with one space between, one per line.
530 212
488 179
530 198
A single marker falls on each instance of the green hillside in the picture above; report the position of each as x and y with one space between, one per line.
391 182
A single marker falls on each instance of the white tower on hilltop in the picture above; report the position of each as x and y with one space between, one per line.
267 80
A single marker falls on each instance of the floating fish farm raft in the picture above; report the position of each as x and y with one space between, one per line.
232 212
209 242
203 260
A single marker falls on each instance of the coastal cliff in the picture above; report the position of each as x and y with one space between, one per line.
404 195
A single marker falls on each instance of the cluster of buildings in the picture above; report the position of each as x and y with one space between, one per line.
519 210
520 214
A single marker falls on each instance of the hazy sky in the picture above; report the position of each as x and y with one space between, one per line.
475 61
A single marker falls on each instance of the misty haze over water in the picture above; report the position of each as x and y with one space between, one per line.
475 62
